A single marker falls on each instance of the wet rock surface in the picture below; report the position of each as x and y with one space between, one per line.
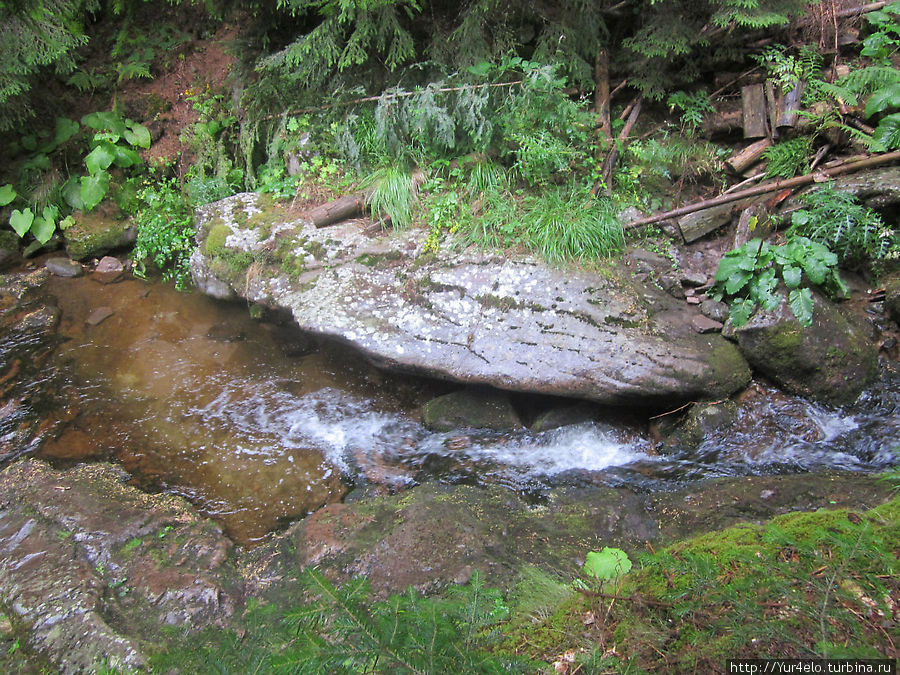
97 233
27 378
475 317
95 568
832 360
92 570
481 409
433 536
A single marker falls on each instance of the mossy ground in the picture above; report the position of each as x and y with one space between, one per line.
822 584
819 584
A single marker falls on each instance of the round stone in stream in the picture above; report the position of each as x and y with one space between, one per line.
64 267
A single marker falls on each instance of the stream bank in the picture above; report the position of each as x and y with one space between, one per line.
196 399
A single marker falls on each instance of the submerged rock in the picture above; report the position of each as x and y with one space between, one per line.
479 409
511 322
64 267
832 360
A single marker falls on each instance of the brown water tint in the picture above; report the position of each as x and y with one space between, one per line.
154 386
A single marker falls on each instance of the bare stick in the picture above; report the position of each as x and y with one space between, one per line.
613 155
769 187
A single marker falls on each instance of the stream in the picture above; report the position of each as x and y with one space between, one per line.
257 427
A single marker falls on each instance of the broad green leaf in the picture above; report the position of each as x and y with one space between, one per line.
607 564
740 312
800 218
728 265
71 192
762 289
100 157
7 194
737 281
94 189
137 135
838 286
43 229
815 268
887 133
126 157
801 302
65 129
105 121
29 142
480 69
886 98
792 276
39 161
21 221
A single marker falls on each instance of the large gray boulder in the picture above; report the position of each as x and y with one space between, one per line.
832 360
508 321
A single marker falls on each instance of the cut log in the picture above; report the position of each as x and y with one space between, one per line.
753 104
700 223
790 106
772 109
744 159
723 123
342 208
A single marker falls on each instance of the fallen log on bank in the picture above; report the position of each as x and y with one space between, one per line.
342 208
790 183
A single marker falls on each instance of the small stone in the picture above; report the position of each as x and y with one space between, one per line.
64 267
99 315
693 279
672 286
226 332
108 270
693 300
767 494
704 325
717 311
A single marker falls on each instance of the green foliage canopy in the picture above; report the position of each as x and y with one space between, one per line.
34 35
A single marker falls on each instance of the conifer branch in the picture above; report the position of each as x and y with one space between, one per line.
388 97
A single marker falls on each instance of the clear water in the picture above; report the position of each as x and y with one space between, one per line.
255 438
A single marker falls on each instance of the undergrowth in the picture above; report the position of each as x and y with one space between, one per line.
822 584
341 629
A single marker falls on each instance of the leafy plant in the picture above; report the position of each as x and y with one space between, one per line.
113 144
165 229
340 629
789 158
749 276
392 195
607 564
693 106
855 233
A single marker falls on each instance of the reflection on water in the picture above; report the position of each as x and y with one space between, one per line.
192 395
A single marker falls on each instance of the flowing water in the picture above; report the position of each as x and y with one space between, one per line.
193 396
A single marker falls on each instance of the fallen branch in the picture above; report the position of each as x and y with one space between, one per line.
799 181
602 95
613 155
